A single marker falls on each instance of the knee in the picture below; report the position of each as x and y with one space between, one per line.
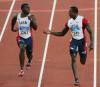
22 48
29 52
73 60
73 53
29 55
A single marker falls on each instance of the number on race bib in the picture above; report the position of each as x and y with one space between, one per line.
76 33
24 30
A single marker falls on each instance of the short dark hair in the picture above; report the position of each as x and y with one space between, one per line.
23 5
74 8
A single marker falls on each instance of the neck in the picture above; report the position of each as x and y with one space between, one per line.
75 17
24 14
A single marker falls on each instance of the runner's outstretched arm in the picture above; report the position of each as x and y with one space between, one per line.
62 33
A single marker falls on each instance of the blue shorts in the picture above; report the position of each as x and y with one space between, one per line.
27 42
78 46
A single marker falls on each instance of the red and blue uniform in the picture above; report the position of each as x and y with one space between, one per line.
24 32
78 42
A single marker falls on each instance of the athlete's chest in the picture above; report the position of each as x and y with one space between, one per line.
24 25
23 21
75 25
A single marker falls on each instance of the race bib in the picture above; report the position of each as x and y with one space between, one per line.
24 30
75 30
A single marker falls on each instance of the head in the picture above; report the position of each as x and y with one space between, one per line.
25 8
73 12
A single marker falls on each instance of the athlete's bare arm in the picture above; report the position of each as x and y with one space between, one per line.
62 33
14 19
33 22
91 36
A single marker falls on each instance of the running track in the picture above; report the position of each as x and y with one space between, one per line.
57 71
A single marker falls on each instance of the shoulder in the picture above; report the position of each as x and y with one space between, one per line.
79 16
15 16
70 21
31 16
82 17
85 20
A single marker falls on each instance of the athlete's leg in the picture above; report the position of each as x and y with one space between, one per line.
29 56
73 53
29 51
21 55
22 46
74 65
83 52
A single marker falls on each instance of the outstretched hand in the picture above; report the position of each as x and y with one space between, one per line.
45 32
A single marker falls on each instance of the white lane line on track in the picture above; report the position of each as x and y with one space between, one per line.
95 44
7 19
46 44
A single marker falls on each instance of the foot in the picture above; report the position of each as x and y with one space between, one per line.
77 83
21 73
28 66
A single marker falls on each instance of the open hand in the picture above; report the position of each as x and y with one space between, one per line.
46 32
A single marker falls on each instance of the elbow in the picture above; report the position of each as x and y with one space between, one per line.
62 35
12 30
91 33
34 27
